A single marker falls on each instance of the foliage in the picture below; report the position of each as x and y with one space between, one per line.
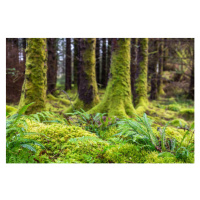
17 146
96 123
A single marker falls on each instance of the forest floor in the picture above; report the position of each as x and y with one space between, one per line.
84 138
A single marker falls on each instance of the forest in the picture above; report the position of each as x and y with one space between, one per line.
100 100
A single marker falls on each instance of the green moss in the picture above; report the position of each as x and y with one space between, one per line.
35 83
117 99
174 107
188 113
141 100
178 122
11 110
124 153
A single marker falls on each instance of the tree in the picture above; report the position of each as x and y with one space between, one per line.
160 74
191 87
87 90
133 66
35 83
52 65
104 67
109 56
117 99
68 66
153 62
140 97
98 60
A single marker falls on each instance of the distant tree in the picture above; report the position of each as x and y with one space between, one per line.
160 73
109 55
87 90
76 61
52 65
104 67
98 60
153 63
191 87
68 66
35 83
117 99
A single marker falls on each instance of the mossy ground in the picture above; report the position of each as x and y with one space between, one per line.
72 144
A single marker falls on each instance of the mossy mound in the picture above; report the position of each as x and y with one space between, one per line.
54 137
174 107
187 114
178 122
11 110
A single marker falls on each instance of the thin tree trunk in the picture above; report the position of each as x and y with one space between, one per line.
104 67
68 66
98 60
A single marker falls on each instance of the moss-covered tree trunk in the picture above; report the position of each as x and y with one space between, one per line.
98 60
109 56
35 83
153 69
87 90
52 65
160 73
68 65
140 98
117 99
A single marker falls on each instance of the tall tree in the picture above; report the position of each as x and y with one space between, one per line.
160 73
117 99
87 90
104 67
35 83
52 65
109 56
153 62
68 65
76 61
140 98
191 87
98 60
133 66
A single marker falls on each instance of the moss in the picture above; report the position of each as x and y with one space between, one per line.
117 99
188 113
11 110
174 107
153 158
124 153
35 83
141 100
178 122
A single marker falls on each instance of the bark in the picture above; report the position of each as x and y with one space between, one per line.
153 70
76 60
109 56
52 65
104 67
160 73
68 66
35 83
98 60
133 64
191 87
117 99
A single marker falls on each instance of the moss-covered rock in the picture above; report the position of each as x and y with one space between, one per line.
178 122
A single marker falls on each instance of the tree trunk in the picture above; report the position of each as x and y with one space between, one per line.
133 64
160 73
117 99
140 98
68 66
35 83
52 65
109 57
191 87
104 67
98 60
76 61
87 90
153 70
